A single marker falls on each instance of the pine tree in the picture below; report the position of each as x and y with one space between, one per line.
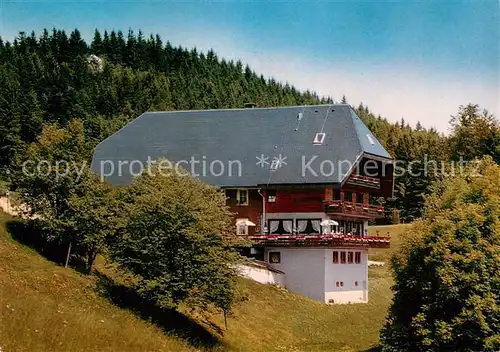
96 47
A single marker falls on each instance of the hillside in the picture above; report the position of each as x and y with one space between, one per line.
48 308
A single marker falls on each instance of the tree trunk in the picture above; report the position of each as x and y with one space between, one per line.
68 255
225 319
90 260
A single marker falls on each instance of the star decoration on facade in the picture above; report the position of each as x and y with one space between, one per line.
262 160
278 161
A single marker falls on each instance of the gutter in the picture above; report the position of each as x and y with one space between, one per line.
263 222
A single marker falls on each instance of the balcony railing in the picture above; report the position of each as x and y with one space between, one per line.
364 181
334 239
352 208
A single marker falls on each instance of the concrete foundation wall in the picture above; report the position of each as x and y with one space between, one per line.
311 272
304 269
262 275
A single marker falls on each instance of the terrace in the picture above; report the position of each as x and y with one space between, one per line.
327 240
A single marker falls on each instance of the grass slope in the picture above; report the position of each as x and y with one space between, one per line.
44 307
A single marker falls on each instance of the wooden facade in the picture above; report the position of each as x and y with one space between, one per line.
293 213
347 206
293 200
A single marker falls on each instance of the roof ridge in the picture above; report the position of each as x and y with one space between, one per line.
351 110
361 128
246 109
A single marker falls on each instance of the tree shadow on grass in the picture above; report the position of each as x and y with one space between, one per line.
31 234
373 349
169 320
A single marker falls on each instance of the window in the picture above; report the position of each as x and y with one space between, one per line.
319 138
359 229
350 257
241 227
275 257
360 197
242 197
336 195
357 257
348 196
308 226
342 257
351 227
280 226
271 196
275 164
230 193
335 257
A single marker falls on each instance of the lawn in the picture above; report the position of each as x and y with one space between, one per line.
45 307
395 232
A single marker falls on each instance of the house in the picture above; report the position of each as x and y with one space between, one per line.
298 179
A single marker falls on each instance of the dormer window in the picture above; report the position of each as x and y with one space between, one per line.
370 139
242 197
319 138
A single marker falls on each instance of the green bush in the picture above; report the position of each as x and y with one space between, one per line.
175 239
4 188
447 290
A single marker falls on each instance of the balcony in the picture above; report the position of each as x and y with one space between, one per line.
352 209
364 181
327 240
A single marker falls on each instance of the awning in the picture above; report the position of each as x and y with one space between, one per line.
245 223
329 222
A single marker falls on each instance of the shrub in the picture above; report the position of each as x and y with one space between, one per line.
447 290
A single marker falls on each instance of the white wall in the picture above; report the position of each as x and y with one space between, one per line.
311 272
304 269
348 274
262 275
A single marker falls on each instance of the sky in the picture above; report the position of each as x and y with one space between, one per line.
417 60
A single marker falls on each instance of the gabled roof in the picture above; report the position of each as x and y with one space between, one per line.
236 138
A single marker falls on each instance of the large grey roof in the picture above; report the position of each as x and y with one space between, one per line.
242 135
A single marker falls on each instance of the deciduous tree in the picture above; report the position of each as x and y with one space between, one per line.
51 173
447 290
175 239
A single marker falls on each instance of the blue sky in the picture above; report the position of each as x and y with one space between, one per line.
417 60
